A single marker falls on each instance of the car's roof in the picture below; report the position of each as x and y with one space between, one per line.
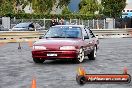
82 26
25 23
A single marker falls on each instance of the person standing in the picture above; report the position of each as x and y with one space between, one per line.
53 22
62 22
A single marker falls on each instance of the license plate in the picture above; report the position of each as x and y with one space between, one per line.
51 55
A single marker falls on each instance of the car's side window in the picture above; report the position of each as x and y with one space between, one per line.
90 33
85 34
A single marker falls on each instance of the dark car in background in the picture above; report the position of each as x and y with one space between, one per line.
66 42
27 26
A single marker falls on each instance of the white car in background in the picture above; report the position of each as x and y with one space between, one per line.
27 26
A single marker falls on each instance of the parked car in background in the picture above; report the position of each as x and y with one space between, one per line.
27 26
66 42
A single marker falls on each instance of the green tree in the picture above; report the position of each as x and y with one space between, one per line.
89 6
6 7
66 10
113 8
10 6
63 3
46 6
43 6
39 6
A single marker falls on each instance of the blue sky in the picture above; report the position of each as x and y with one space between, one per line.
129 1
74 5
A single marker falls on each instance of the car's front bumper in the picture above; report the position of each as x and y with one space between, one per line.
67 54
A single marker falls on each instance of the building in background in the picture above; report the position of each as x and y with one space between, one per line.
127 12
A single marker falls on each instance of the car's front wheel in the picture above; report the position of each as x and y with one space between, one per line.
38 60
80 56
92 55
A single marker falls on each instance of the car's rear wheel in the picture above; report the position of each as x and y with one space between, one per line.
92 55
38 60
80 56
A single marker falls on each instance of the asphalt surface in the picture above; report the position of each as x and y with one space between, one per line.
17 68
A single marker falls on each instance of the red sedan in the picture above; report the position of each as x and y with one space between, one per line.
66 42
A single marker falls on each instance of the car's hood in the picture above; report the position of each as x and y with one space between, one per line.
58 42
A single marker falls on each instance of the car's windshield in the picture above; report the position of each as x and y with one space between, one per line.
64 32
22 25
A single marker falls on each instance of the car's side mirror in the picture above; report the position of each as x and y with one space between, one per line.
41 37
86 37
87 27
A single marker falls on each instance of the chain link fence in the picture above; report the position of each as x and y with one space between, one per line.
92 24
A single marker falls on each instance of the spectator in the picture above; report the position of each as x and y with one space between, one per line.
31 25
62 22
53 22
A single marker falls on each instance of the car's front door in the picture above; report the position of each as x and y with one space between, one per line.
86 40
91 39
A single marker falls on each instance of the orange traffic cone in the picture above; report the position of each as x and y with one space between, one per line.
30 43
125 70
33 83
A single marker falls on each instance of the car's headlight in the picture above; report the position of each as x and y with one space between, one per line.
39 47
67 48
